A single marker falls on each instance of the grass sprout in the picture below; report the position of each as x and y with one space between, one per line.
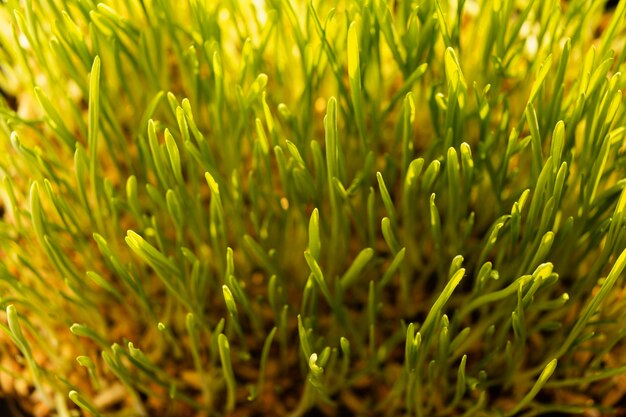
299 208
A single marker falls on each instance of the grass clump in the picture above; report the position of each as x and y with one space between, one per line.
299 208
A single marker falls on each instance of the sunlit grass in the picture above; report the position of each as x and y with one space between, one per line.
352 207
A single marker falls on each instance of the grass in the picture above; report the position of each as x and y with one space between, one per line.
298 208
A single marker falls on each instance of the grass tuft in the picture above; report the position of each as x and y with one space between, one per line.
285 207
